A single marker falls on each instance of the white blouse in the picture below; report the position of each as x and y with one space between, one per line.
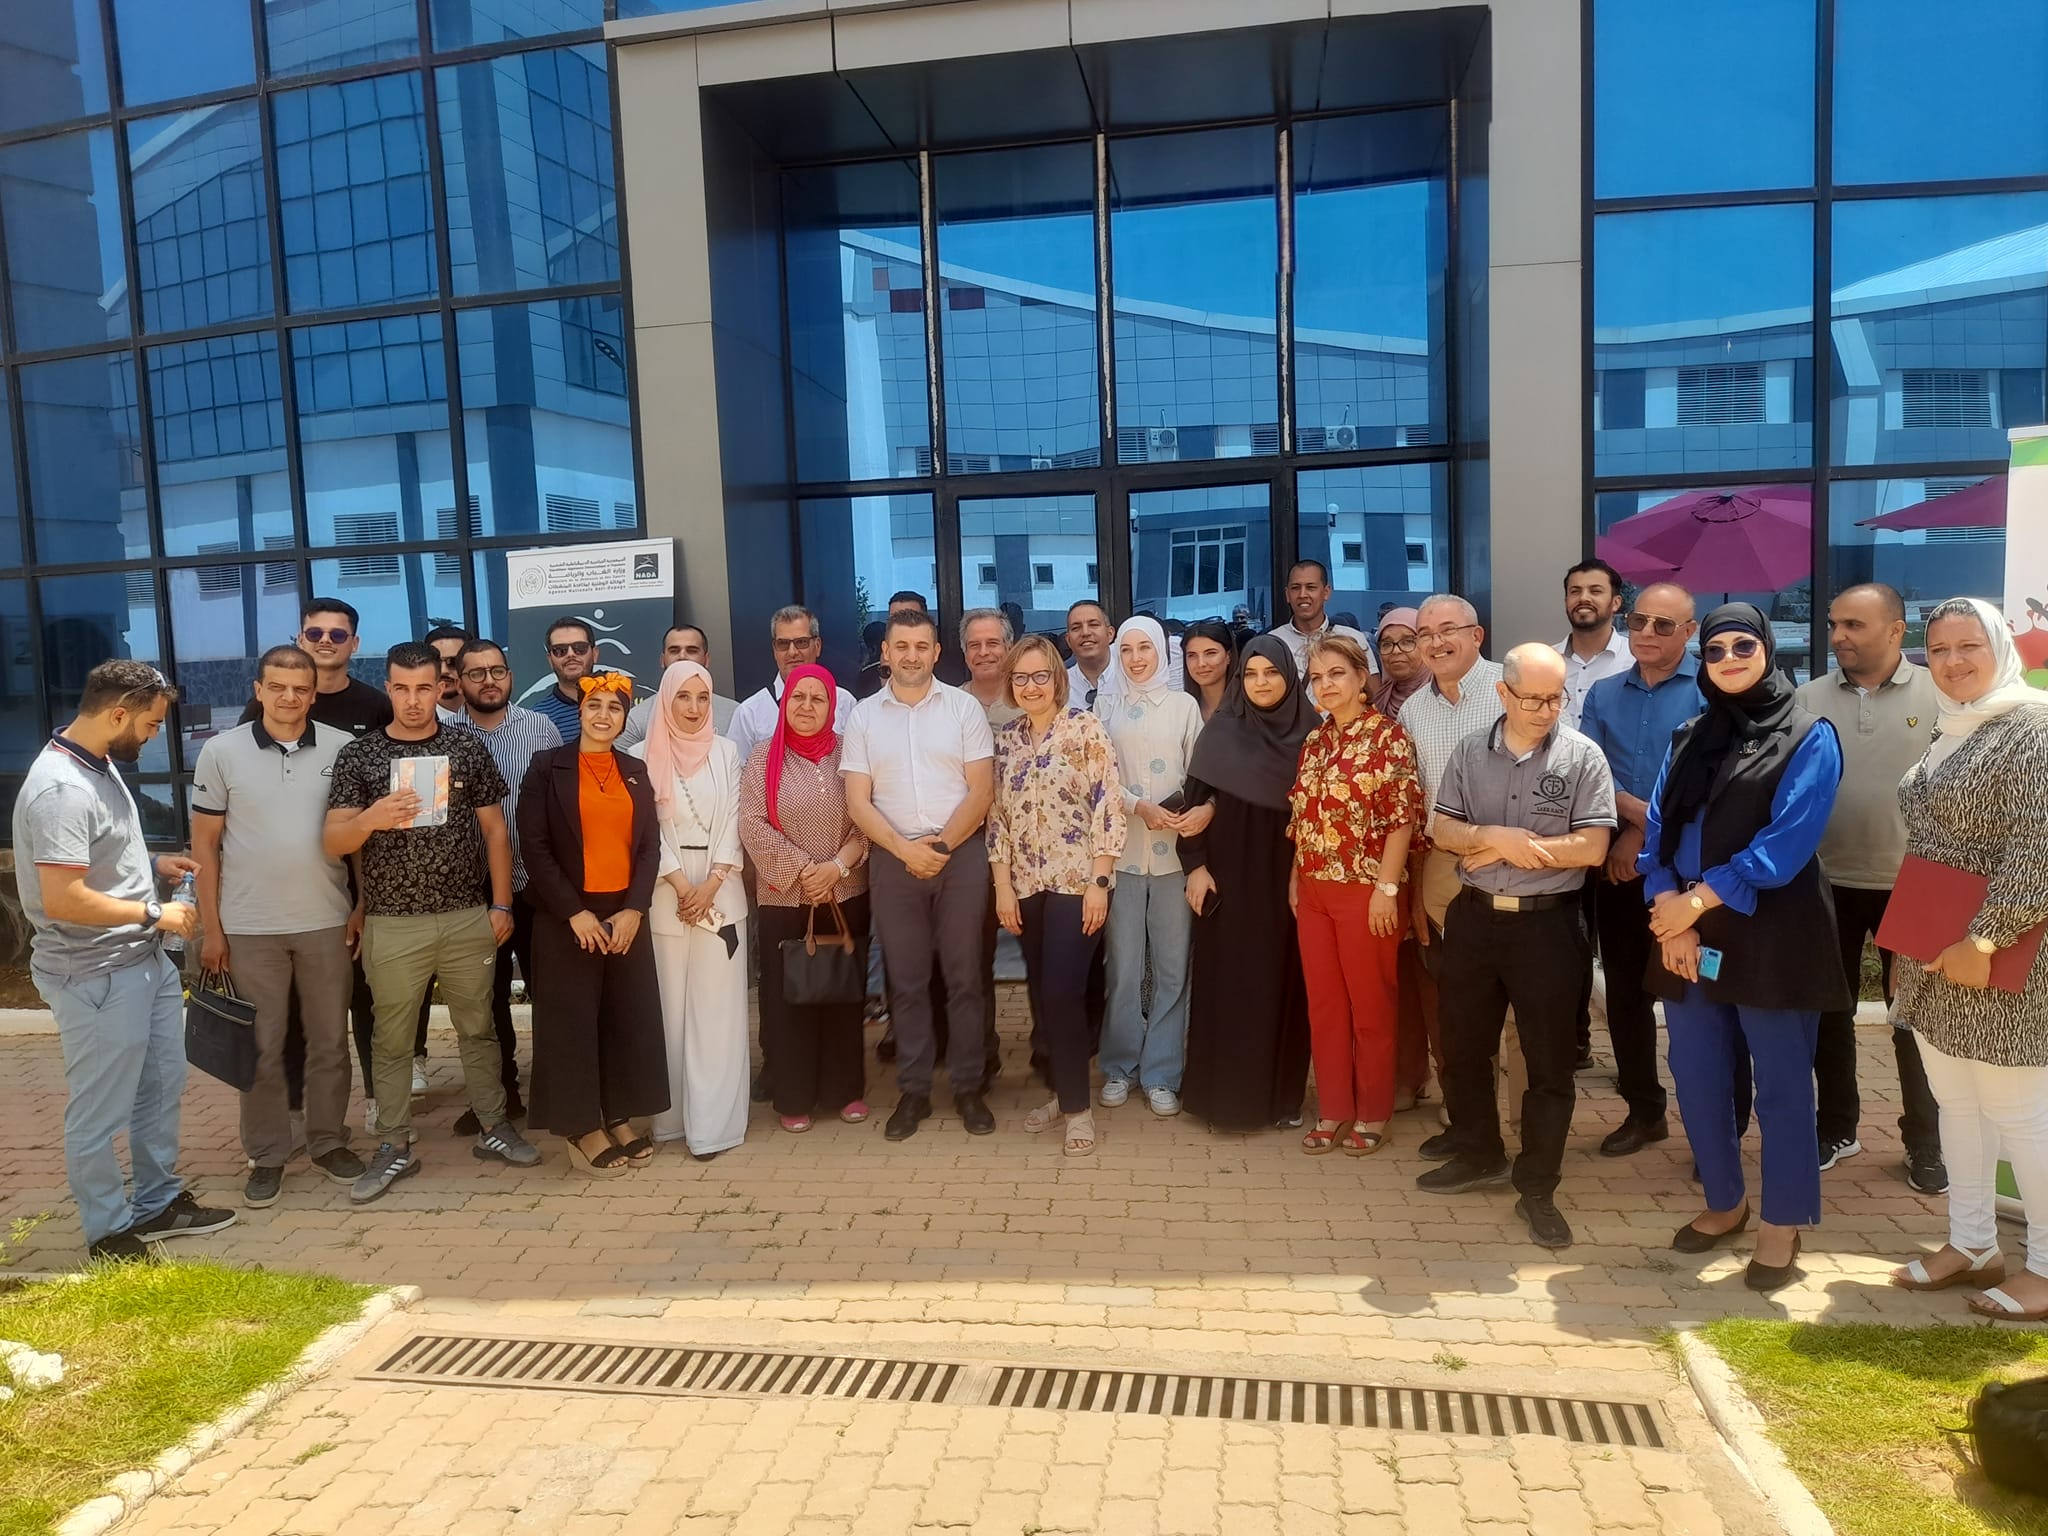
1154 734
705 814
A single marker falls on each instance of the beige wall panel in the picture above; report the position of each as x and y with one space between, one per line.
965 30
1537 117
1114 21
765 53
1537 466
679 452
663 137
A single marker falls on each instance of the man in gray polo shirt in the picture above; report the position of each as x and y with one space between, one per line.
88 886
1527 805
276 911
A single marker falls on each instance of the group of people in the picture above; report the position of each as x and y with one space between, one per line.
1225 860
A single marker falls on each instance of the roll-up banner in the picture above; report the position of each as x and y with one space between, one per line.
625 592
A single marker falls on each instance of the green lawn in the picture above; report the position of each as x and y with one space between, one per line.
1861 1412
150 1352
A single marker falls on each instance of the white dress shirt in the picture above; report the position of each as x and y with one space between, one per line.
1436 725
1078 685
1154 735
916 755
1581 675
753 720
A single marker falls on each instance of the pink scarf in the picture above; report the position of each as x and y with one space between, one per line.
812 749
671 752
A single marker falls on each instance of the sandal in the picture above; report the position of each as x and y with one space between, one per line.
855 1112
608 1164
638 1149
1995 1303
1318 1141
1044 1118
1080 1134
1361 1140
795 1124
1984 1269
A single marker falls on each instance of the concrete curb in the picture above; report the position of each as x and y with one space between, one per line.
1741 1429
128 1492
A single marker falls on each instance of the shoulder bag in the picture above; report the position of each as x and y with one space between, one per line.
824 970
220 1031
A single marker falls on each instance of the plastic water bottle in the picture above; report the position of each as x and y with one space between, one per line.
187 894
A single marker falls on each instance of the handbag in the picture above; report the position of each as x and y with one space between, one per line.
220 1031
823 971
2009 1421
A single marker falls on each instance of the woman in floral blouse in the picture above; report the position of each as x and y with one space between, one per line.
1356 803
1054 834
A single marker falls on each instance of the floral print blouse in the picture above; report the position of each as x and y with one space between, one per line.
1059 804
1356 785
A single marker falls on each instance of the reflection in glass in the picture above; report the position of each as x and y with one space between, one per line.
1934 538
52 63
1028 555
858 550
400 597
186 49
1940 326
855 279
1371 235
218 416
1383 533
357 219
91 619
526 144
10 510
201 240
84 461
222 618
312 35
60 208
1703 340
1017 308
462 23
1751 127
1203 553
1940 92
1195 249
21 733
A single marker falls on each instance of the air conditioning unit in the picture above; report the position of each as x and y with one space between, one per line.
1343 438
1162 440
1039 462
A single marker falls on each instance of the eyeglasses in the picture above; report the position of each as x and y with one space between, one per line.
1039 679
1399 647
1663 626
1535 703
314 635
486 674
801 642
1741 649
571 648
1443 634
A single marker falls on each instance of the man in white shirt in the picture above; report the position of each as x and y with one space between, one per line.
1308 595
685 642
794 633
1597 647
919 764
1089 638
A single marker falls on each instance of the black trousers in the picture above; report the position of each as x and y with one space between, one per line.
520 948
1839 1106
1057 959
599 1052
942 1031
818 1049
1623 924
1530 961
1588 904
926 926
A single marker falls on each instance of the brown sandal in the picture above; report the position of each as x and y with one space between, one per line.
1317 1141
1361 1140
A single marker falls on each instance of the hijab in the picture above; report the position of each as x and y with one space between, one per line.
2009 689
1389 696
1250 752
812 749
1758 721
671 752
1208 629
1116 681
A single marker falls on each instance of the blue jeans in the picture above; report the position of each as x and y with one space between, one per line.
124 1069
1148 914
1704 1040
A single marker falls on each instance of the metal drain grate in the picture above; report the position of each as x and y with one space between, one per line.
670 1370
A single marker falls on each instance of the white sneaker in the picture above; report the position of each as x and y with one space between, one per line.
419 1077
1162 1101
1114 1092
369 1117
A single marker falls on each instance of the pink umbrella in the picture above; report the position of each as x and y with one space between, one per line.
1976 506
1742 539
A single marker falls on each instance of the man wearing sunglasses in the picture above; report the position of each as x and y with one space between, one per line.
572 652
330 631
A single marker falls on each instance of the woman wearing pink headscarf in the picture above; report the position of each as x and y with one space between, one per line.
699 918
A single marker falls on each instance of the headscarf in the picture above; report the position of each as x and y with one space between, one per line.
606 682
1250 752
1116 682
2009 689
1748 720
1389 696
671 752
812 749
1220 632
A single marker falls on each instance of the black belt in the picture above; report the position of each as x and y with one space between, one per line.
694 847
1520 903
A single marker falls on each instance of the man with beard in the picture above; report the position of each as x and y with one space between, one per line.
1596 647
448 641
89 889
572 652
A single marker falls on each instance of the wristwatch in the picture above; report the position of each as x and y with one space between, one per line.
1694 899
496 908
1391 889
152 913
1100 882
1982 945
939 846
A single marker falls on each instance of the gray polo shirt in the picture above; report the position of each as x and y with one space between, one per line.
272 797
1884 732
74 812
1559 787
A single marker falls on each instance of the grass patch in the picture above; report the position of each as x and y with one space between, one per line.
1860 1411
150 1351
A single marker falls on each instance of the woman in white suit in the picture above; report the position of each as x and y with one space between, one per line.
698 923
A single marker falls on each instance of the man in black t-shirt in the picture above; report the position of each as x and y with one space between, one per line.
330 631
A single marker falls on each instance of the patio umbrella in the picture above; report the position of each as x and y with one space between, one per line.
1743 539
1977 506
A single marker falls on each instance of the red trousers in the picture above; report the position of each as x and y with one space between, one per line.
1353 1000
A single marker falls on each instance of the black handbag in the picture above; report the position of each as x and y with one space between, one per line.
822 971
220 1031
2009 1421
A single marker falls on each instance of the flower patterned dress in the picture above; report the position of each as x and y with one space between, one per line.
1059 804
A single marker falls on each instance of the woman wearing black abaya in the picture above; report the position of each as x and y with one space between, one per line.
1247 1056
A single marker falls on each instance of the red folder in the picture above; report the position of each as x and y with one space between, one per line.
1933 905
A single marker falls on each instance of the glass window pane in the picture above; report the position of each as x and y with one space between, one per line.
545 417
218 416
526 143
222 618
1383 533
85 461
187 49
61 210
1931 538
314 35
1038 555
400 597
10 513
91 619
52 63
1203 553
201 239
1371 233
1017 308
855 274
358 220
1940 92
1656 135
1703 340
461 23
856 551
1940 326
21 732
1195 253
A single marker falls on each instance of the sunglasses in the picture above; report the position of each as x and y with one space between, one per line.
1741 649
1663 626
572 648
1039 679
315 635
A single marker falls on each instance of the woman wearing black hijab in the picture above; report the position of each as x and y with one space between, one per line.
1247 1054
1742 918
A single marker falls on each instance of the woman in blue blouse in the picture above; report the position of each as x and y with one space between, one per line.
1742 915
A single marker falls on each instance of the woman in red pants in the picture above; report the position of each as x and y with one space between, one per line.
1356 803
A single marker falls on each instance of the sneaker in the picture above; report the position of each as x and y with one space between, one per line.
503 1142
1163 1102
419 1076
340 1165
1832 1152
183 1217
122 1247
1115 1091
1457 1176
388 1165
1440 1148
369 1117
1288 1123
263 1188
1927 1173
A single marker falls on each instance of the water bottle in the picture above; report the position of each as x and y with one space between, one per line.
187 894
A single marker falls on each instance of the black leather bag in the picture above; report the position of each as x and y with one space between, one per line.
220 1031
823 971
2010 1423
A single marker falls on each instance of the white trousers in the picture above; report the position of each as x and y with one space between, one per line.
704 1017
1986 1110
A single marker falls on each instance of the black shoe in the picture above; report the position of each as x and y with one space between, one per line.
183 1217
1438 1148
1586 1062
1926 1172
762 1091
263 1188
1457 1176
910 1109
340 1165
1690 1239
1634 1135
885 1048
122 1247
1834 1149
974 1114
1547 1226
467 1124
1768 1277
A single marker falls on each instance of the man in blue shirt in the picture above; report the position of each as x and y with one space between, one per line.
1630 718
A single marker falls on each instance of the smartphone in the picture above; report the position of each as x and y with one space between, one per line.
1710 964
1174 803
1209 905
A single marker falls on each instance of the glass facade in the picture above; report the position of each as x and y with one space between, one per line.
378 333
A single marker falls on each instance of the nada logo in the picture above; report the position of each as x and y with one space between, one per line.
647 567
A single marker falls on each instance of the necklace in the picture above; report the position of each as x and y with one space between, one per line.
691 800
608 777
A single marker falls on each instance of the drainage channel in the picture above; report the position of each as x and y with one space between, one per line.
580 1365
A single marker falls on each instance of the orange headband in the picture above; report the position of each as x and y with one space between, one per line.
605 682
